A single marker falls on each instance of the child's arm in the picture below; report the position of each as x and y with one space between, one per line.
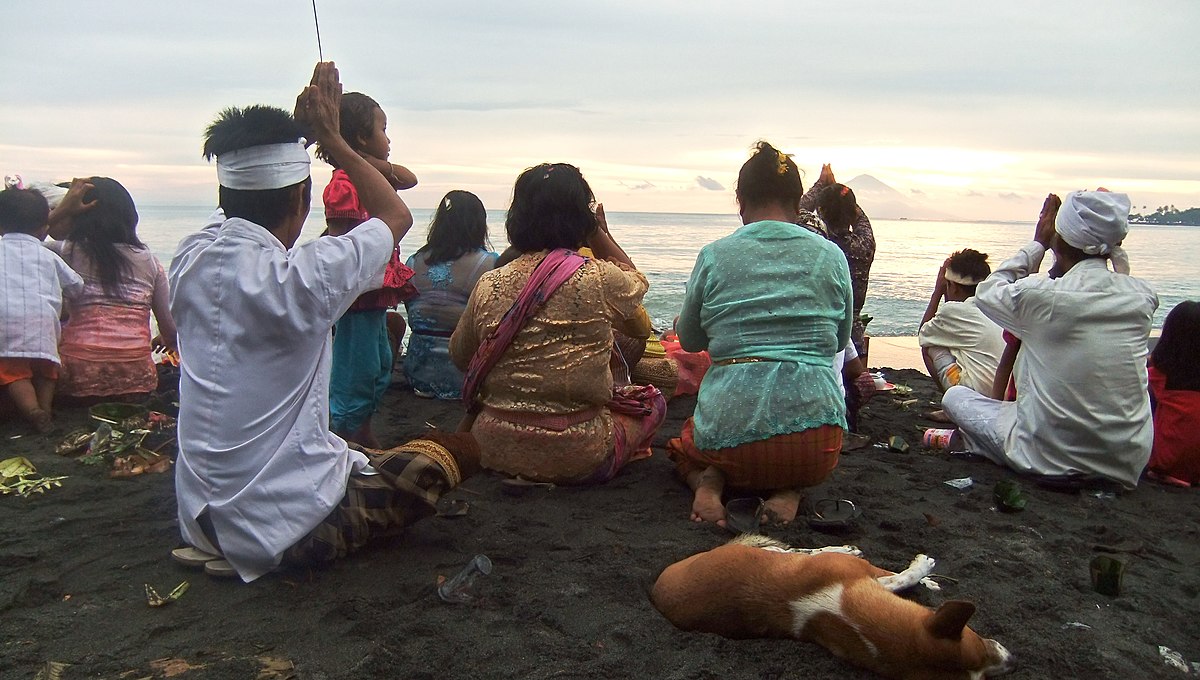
318 107
398 176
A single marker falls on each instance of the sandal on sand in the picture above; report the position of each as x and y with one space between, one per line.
744 515
220 569
193 557
833 514
939 416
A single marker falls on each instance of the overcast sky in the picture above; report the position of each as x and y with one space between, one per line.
976 109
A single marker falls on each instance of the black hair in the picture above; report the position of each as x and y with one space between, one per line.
837 206
111 221
551 208
459 226
1177 354
971 264
255 125
23 211
357 122
769 176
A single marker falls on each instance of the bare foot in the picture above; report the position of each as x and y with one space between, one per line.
707 505
781 507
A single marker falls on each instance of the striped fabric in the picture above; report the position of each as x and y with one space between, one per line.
781 462
406 489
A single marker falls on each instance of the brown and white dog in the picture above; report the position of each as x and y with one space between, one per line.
755 587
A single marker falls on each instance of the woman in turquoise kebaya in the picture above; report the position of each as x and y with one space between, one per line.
772 303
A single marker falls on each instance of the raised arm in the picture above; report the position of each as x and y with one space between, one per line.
398 176
318 108
69 208
603 245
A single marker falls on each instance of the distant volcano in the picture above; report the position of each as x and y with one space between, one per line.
883 202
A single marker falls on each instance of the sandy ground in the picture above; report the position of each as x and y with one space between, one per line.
567 597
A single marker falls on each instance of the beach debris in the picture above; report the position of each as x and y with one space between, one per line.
1008 496
930 584
75 442
1174 659
461 588
274 668
960 483
1075 625
896 443
18 476
169 668
904 391
51 670
155 600
453 508
518 486
931 519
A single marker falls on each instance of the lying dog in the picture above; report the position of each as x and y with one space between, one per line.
756 587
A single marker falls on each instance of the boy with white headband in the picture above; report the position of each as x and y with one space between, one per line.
959 344
259 477
1082 406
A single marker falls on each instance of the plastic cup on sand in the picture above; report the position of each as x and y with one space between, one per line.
937 438
460 588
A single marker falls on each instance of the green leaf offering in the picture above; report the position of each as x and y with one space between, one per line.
1008 496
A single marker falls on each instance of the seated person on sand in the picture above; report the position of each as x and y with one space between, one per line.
773 304
33 283
1082 407
959 344
106 346
539 375
456 253
1175 398
259 478
843 221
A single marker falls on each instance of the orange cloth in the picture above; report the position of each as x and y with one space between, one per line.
691 365
13 369
784 461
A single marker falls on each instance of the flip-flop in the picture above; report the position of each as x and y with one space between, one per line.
744 515
193 557
833 514
220 569
939 416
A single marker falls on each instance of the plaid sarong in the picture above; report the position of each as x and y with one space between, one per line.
785 461
406 489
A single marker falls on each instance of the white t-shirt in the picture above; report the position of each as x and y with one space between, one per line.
976 342
254 319
33 281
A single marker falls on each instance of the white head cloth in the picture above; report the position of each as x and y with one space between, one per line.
961 279
1093 221
257 168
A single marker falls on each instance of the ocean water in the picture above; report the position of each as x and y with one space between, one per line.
908 254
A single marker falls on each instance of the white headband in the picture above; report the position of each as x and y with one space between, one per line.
1093 221
257 168
961 280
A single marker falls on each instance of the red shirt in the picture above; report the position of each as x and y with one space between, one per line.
1176 451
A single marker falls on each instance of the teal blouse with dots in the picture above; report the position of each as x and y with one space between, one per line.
776 291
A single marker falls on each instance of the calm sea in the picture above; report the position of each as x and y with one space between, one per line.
909 252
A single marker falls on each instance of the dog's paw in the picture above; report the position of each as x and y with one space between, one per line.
922 565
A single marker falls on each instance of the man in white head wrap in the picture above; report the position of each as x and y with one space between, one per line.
258 473
1082 408
959 344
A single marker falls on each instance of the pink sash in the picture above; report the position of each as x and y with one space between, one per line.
553 271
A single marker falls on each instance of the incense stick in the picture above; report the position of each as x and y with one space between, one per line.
317 24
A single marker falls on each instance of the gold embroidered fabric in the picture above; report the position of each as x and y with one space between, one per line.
557 363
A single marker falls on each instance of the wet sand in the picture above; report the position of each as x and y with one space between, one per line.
567 597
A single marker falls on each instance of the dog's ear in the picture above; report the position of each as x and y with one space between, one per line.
948 621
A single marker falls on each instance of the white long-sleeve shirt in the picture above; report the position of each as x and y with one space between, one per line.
254 318
33 281
1082 401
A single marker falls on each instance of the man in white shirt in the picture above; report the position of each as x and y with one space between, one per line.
1082 406
959 344
259 474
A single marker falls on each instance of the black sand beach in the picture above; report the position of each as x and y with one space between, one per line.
567 597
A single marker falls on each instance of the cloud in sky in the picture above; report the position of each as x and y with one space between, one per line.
942 97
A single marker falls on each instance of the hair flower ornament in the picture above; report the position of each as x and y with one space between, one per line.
783 162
